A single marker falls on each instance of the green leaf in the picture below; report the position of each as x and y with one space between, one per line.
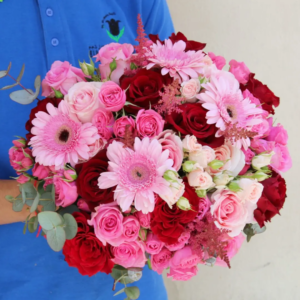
29 190
58 94
21 73
56 238
132 292
70 226
22 96
8 86
3 74
53 192
18 205
149 264
37 85
49 220
35 203
9 198
118 272
33 224
48 206
119 292
25 228
68 210
40 187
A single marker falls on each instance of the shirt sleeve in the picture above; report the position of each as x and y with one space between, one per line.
159 19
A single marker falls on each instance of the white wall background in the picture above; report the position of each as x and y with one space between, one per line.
265 34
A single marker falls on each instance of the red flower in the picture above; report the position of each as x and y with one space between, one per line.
143 89
85 252
261 92
272 199
190 45
192 121
41 106
169 223
87 181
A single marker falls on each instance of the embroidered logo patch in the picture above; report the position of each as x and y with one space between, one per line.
113 26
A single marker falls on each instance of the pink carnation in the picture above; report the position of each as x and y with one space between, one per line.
277 134
161 260
219 61
240 71
149 123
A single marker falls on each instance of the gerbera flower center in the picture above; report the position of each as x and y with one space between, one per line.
138 173
63 134
231 111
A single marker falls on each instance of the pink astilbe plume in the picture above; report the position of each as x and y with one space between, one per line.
170 99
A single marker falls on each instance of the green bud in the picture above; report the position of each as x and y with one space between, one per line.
113 65
170 176
87 69
183 204
133 66
143 234
216 164
260 176
234 187
201 193
58 94
188 166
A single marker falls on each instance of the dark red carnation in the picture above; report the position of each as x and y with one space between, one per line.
272 199
41 106
85 252
143 89
261 92
192 121
87 181
169 223
190 45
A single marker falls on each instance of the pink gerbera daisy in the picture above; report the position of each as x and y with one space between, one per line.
137 173
174 60
58 139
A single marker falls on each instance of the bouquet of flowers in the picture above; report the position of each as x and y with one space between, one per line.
157 156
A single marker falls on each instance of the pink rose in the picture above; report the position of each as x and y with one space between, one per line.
62 76
111 96
179 274
23 179
190 143
82 205
121 53
161 260
20 143
240 71
149 123
41 172
204 205
281 161
153 245
233 246
107 221
120 126
200 179
65 192
182 241
82 100
261 145
131 228
130 255
104 121
189 89
184 258
228 211
170 141
144 219
277 134
248 158
20 159
97 146
219 61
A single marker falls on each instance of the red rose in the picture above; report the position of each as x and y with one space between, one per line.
85 252
191 120
190 45
169 223
143 89
272 199
261 92
41 106
87 181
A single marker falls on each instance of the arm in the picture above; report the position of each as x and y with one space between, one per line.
7 215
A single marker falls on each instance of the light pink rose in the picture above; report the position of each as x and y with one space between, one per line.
179 274
249 154
20 159
111 96
131 228
130 255
82 100
190 143
104 121
204 205
219 61
170 141
240 71
182 241
233 246
149 123
82 205
175 191
203 157
161 260
107 221
62 76
23 179
144 219
229 211
120 126
277 134
189 89
97 146
200 179
121 53
65 192
41 172
153 245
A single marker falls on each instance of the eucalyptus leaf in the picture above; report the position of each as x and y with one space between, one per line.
257 229
37 85
8 68
48 188
49 220
47 196
23 195
35 203
10 198
126 280
56 238
40 188
18 205
33 224
117 273
132 292
29 190
3 74
71 226
48 205
7 87
53 192
21 73
23 97
68 210
25 228
119 292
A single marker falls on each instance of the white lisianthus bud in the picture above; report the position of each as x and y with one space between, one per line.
222 179
189 166
176 190
183 203
170 176
260 176
201 193
216 164
262 160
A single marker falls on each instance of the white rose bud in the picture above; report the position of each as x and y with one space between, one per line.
262 160
183 204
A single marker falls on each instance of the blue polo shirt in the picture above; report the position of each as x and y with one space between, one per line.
38 32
